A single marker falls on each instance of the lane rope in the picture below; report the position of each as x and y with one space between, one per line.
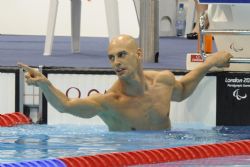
13 119
153 156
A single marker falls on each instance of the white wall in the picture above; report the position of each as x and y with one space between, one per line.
199 108
29 17
84 82
7 95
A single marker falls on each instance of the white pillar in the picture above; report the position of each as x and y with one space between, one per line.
149 29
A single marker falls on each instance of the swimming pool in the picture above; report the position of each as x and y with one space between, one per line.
36 142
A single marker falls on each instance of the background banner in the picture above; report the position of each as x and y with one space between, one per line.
233 99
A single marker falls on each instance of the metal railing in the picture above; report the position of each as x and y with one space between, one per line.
204 31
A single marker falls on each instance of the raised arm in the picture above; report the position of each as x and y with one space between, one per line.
187 84
86 108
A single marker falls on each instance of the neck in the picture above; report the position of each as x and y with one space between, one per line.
134 85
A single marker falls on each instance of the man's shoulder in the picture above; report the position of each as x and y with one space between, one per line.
164 76
113 91
162 73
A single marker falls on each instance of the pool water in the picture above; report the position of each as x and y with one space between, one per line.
33 142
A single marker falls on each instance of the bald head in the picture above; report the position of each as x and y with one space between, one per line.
125 56
126 41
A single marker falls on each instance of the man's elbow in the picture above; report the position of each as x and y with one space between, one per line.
64 108
79 111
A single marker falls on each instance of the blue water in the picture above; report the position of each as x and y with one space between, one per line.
32 142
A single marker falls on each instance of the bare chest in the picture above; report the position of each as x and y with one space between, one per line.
148 111
153 98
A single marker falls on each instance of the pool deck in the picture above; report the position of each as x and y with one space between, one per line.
29 50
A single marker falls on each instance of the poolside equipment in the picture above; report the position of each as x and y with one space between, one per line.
231 14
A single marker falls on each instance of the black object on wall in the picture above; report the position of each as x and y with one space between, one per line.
233 99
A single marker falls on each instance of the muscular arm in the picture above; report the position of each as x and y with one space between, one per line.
86 108
187 84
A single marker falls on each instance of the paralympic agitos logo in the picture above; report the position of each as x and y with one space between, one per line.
236 48
239 96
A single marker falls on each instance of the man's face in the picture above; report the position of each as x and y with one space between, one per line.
124 60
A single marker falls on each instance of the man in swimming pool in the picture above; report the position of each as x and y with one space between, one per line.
138 100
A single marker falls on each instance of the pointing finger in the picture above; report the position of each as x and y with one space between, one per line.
27 76
25 67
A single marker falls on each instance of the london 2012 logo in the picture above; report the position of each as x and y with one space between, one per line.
237 95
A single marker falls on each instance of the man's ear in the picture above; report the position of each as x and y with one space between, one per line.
139 53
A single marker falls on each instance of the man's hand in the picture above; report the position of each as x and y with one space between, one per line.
219 59
33 77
